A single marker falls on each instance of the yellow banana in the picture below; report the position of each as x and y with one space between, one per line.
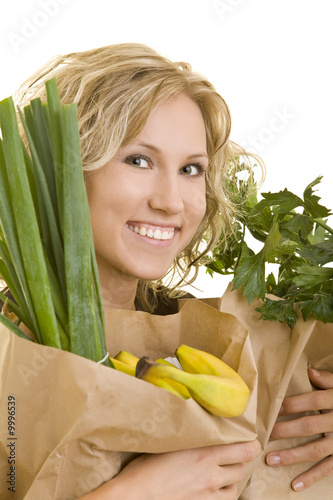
176 385
163 361
196 361
158 381
225 397
123 367
127 358
169 385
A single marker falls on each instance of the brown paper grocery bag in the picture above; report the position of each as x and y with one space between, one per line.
282 358
78 423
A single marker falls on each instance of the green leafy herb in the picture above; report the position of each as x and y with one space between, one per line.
294 235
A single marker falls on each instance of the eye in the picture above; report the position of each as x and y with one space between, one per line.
192 170
138 161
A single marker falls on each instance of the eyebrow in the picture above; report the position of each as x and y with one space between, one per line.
158 150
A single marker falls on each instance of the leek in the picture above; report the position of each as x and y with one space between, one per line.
47 255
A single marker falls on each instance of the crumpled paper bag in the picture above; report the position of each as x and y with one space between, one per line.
78 423
282 358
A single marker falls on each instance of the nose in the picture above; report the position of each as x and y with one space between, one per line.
167 194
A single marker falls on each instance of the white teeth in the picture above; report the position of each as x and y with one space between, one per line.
156 235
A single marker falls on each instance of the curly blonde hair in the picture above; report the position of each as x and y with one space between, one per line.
116 88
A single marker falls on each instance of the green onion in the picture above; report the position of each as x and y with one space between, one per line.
47 255
80 292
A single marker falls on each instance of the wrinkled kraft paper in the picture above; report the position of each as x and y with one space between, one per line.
78 423
282 360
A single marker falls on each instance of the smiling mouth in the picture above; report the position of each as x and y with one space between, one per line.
161 233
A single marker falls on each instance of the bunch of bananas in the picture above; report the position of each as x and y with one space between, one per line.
204 377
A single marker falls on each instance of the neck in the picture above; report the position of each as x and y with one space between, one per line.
118 293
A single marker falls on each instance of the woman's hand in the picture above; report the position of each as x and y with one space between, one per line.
320 449
200 473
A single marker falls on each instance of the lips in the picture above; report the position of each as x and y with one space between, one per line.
151 231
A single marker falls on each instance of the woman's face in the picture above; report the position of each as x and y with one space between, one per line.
148 201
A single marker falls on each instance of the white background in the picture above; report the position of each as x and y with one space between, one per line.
267 58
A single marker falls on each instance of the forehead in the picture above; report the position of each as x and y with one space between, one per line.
176 119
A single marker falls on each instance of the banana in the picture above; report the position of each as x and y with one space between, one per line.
224 397
176 385
127 358
163 361
196 361
123 367
173 361
169 385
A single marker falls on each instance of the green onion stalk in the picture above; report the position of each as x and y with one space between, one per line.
47 256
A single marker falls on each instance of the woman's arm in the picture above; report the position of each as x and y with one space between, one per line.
320 449
200 473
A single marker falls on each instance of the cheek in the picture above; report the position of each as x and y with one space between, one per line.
196 205
108 199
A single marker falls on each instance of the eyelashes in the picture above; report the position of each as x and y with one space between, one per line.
135 160
188 170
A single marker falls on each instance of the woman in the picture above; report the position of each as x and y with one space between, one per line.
156 149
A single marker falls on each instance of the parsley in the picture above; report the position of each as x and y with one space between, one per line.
294 235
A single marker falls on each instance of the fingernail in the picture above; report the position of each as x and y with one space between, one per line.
314 372
273 459
298 486
281 410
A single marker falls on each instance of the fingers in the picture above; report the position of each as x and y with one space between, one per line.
310 401
318 472
231 460
314 400
228 493
321 423
317 450
303 426
321 379
235 453
229 475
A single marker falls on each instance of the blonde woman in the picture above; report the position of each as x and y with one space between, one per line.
156 148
